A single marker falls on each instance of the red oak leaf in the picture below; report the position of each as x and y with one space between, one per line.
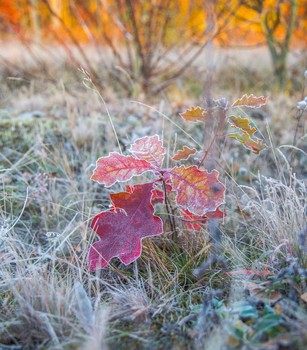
121 231
117 167
195 222
250 101
184 154
197 190
149 148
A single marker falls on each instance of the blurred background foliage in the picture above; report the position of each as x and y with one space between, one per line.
145 45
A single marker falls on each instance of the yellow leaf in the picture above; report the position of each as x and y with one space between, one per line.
194 114
243 124
256 145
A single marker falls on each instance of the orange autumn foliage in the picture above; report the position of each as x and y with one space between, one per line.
87 19
246 26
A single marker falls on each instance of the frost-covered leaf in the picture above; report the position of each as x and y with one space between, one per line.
197 190
149 148
117 167
256 145
243 124
194 114
250 101
184 154
196 222
121 230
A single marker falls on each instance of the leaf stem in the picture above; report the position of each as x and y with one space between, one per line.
169 208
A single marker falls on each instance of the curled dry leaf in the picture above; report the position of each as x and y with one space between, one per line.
157 196
194 114
256 145
117 167
184 154
243 124
196 222
250 101
149 148
245 134
197 190
121 230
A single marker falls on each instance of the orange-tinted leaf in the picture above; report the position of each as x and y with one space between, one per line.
184 154
122 230
194 114
243 124
256 145
197 190
117 167
250 101
149 148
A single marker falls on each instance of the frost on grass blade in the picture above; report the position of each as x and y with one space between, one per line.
117 167
184 154
194 114
197 190
250 101
122 230
149 148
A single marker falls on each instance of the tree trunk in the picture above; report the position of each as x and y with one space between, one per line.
279 49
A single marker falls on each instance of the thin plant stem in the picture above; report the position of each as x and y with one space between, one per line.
169 209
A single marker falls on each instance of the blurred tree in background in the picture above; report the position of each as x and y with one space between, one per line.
275 23
144 45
